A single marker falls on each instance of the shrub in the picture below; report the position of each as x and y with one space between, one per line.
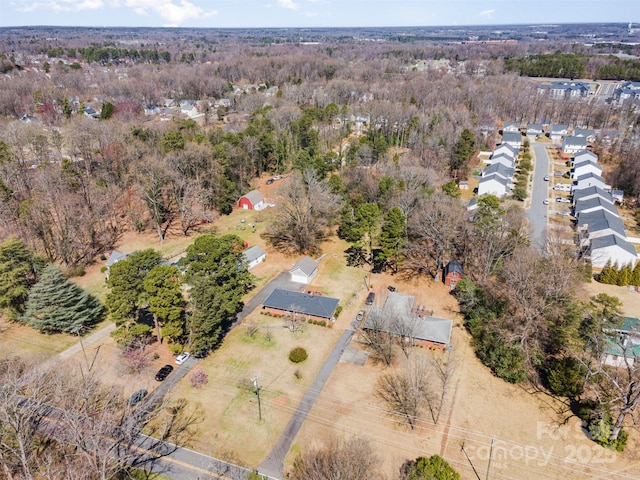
199 379
338 311
298 355
103 269
322 323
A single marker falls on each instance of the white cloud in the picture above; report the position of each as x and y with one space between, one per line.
488 14
174 13
63 5
290 4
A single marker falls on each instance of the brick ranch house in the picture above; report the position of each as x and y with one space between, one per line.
426 330
310 306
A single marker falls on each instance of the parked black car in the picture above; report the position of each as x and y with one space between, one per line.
370 298
391 288
137 397
164 372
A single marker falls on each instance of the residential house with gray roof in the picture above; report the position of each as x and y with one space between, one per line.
299 303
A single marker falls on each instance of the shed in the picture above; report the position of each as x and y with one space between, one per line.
299 303
453 273
304 270
114 257
252 201
254 256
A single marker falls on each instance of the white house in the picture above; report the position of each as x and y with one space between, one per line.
584 156
512 127
533 131
592 204
503 159
304 270
589 134
254 256
500 169
506 149
514 139
114 257
589 180
557 132
494 185
572 145
628 91
583 168
611 248
592 192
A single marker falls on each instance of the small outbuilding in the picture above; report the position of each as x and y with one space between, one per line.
453 273
254 256
304 270
114 257
252 201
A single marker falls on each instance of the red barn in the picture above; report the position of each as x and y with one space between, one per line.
252 201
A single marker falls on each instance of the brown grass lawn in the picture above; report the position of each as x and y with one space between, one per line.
21 340
531 438
231 428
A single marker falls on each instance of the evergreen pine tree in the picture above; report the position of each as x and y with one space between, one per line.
624 275
605 273
392 237
18 273
615 274
635 275
57 305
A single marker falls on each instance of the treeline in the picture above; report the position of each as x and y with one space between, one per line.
557 65
113 55
620 69
563 65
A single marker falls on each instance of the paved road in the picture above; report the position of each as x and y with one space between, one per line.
273 464
184 464
86 342
538 211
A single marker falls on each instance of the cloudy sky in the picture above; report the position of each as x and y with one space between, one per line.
311 13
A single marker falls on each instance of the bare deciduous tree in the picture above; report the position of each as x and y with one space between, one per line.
377 337
350 459
405 390
306 213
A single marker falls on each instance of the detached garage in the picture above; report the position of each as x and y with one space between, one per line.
252 201
254 256
304 270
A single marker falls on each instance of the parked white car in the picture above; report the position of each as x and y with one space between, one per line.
180 359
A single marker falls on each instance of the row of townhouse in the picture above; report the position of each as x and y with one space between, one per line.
601 233
497 177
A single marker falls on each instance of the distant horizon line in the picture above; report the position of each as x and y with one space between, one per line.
159 27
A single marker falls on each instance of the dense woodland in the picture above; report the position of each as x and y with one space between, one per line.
376 146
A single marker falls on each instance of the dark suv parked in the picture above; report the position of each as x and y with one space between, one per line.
370 298
164 372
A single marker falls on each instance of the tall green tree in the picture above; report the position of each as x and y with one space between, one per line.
166 303
392 238
107 111
359 226
18 273
57 305
219 278
127 294
462 152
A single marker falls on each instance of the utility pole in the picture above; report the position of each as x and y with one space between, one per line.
255 384
490 454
